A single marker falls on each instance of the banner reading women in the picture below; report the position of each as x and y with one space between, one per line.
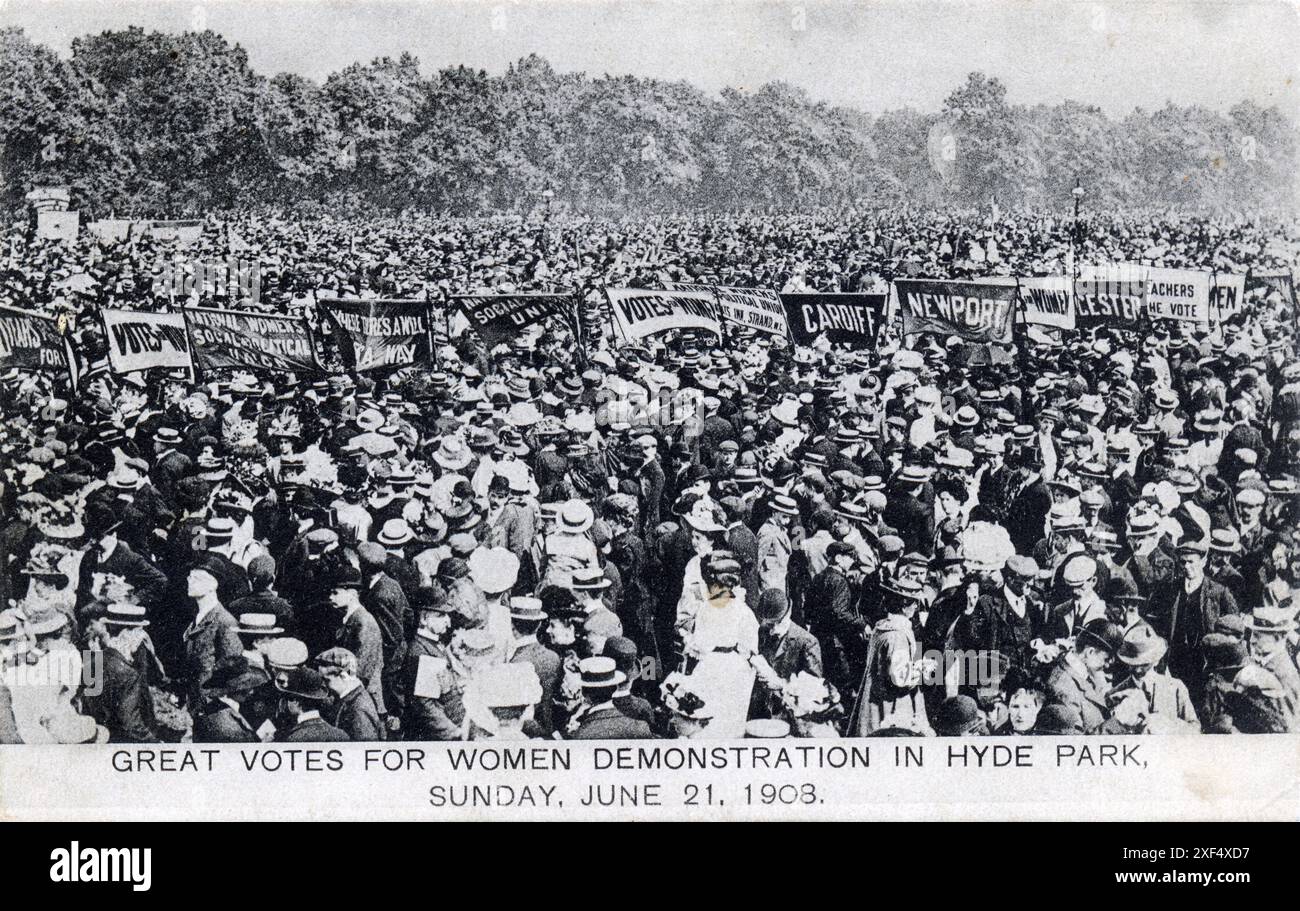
1044 300
237 339
975 312
374 334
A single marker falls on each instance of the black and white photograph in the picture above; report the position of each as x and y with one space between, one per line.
734 409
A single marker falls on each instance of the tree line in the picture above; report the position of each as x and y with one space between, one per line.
152 123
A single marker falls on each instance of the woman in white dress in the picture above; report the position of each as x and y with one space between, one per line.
720 640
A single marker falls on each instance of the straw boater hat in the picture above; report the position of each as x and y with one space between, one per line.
258 625
1276 620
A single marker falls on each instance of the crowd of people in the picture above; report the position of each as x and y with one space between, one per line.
1089 532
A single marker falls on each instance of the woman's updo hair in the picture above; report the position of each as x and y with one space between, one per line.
720 569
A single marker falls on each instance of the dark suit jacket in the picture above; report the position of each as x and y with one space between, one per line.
313 730
357 716
210 643
219 723
360 635
608 723
1183 620
124 704
547 665
914 520
148 581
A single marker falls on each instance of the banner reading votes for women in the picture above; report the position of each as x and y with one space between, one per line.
975 312
499 318
640 314
31 341
374 334
1044 300
759 309
236 339
845 319
145 341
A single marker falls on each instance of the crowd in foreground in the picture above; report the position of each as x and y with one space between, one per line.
690 537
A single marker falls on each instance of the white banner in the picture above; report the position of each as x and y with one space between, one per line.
641 314
1226 294
1043 301
759 309
143 341
55 225
1178 294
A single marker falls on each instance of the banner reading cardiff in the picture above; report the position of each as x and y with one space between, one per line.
236 339
373 334
759 309
499 318
1178 294
144 341
1044 300
849 319
1110 296
639 314
31 341
978 313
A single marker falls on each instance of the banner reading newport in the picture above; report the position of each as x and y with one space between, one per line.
499 318
31 342
759 309
236 339
845 319
975 312
374 334
640 314
144 341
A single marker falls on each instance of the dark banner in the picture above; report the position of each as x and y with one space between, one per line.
499 318
236 339
31 342
1121 304
975 312
376 334
845 319
1281 282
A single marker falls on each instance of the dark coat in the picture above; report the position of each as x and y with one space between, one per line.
208 644
357 716
424 717
914 520
1065 688
360 635
608 723
148 581
313 730
124 704
1183 620
219 723
831 611
547 664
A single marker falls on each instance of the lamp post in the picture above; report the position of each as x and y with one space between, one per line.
1077 193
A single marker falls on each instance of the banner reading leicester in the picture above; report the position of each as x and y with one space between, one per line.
237 339
374 334
975 312
848 319
640 314
1112 295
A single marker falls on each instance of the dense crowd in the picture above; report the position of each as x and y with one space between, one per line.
1088 532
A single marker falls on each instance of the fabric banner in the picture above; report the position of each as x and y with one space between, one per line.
1178 294
56 225
374 334
849 319
975 312
32 342
759 309
1280 282
499 318
144 341
639 314
185 232
1113 295
237 339
1226 295
1044 300
111 229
